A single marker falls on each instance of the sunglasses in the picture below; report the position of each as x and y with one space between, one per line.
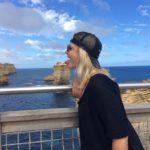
69 48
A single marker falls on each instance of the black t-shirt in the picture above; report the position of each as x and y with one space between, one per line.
102 116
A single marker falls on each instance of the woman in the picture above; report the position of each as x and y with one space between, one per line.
103 122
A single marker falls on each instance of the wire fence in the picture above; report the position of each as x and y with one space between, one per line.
53 139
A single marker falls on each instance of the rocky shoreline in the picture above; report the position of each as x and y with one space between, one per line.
6 70
136 96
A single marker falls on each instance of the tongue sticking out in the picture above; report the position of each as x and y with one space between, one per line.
67 62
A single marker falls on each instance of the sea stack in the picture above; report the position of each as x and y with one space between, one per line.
61 74
3 79
5 70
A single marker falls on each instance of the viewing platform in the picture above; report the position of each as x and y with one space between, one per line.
57 129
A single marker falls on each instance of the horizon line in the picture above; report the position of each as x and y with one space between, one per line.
102 67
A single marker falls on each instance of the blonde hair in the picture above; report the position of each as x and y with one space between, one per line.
85 69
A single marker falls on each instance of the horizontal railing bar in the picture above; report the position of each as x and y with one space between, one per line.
137 108
53 113
61 88
38 114
41 89
134 85
38 119
42 119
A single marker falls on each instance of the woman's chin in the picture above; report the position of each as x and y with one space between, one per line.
69 64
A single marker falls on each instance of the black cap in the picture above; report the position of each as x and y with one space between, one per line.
90 43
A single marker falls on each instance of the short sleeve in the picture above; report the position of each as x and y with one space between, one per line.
108 104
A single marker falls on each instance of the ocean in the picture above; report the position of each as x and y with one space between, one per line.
34 77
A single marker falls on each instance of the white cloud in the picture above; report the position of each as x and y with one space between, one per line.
6 52
27 58
136 30
144 10
141 25
36 1
103 53
48 22
135 23
17 58
128 29
2 33
34 43
49 16
35 21
43 54
17 19
66 23
8 56
50 47
46 57
70 25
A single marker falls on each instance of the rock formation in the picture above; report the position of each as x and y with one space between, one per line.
3 79
61 74
5 70
147 80
49 78
135 96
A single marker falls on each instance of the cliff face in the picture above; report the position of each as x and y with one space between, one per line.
61 74
136 96
6 69
3 79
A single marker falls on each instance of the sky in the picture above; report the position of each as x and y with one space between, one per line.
35 33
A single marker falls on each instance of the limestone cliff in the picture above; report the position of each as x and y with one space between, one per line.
3 79
5 70
61 74
135 96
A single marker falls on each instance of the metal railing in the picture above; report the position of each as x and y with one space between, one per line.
62 88
41 89
53 128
